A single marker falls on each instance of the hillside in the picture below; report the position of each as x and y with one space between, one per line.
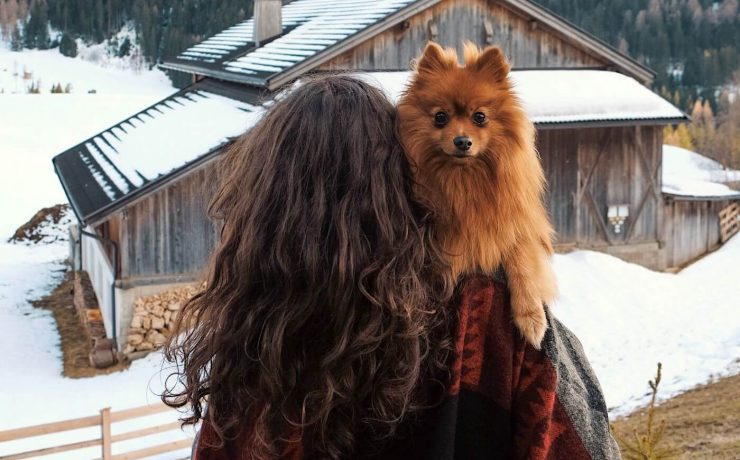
35 127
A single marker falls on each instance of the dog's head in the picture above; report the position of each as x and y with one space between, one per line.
453 113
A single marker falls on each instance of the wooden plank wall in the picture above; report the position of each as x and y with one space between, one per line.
559 153
588 169
527 44
619 165
168 232
691 229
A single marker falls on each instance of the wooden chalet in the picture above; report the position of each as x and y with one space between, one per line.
142 186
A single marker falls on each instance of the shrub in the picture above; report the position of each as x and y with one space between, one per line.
645 446
68 46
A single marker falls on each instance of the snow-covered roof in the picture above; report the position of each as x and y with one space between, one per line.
315 30
151 144
571 96
689 174
309 27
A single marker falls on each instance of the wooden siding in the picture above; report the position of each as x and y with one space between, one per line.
528 44
618 166
559 153
168 232
590 169
691 229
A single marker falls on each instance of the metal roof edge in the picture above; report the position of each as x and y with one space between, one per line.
549 125
679 197
214 73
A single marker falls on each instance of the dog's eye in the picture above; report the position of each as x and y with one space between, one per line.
479 118
440 118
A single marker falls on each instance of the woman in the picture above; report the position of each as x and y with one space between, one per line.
328 329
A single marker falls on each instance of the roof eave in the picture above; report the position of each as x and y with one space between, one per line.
214 73
678 197
589 41
609 123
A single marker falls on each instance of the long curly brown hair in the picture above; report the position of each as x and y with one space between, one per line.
322 317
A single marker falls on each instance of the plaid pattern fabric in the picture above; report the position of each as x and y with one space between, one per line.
505 400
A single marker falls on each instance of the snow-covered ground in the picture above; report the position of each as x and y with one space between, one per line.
32 389
36 127
630 318
99 74
689 173
33 129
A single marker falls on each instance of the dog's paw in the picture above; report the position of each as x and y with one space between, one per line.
531 321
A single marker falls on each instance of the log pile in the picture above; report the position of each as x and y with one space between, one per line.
154 318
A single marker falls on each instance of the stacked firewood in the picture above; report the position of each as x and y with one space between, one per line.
154 318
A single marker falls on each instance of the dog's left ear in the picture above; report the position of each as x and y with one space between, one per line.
493 62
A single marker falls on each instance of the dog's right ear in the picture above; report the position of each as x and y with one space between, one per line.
492 61
434 59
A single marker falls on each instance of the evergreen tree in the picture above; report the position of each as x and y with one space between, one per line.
68 46
16 40
36 32
125 48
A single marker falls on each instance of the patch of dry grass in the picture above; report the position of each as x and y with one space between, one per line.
703 423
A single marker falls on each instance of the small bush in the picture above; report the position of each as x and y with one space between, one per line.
125 48
34 87
68 46
645 446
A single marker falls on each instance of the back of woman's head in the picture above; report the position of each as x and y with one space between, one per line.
321 313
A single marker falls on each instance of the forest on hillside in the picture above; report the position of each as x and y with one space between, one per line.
691 44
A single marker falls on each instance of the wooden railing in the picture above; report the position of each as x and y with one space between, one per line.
729 221
106 440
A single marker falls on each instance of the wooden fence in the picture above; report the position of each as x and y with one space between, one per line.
729 221
106 440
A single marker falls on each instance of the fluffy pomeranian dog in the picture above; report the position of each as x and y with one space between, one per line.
472 150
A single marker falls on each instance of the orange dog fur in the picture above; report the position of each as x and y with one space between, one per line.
478 164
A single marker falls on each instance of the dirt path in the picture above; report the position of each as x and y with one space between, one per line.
703 423
75 343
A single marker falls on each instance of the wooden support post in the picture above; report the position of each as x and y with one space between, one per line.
106 443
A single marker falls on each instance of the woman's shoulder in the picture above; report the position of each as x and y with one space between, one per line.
553 386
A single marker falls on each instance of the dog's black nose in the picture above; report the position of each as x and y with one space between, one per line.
462 143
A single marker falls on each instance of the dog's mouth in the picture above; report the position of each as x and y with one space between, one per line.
461 155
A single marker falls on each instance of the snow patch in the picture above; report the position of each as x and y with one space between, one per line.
689 173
